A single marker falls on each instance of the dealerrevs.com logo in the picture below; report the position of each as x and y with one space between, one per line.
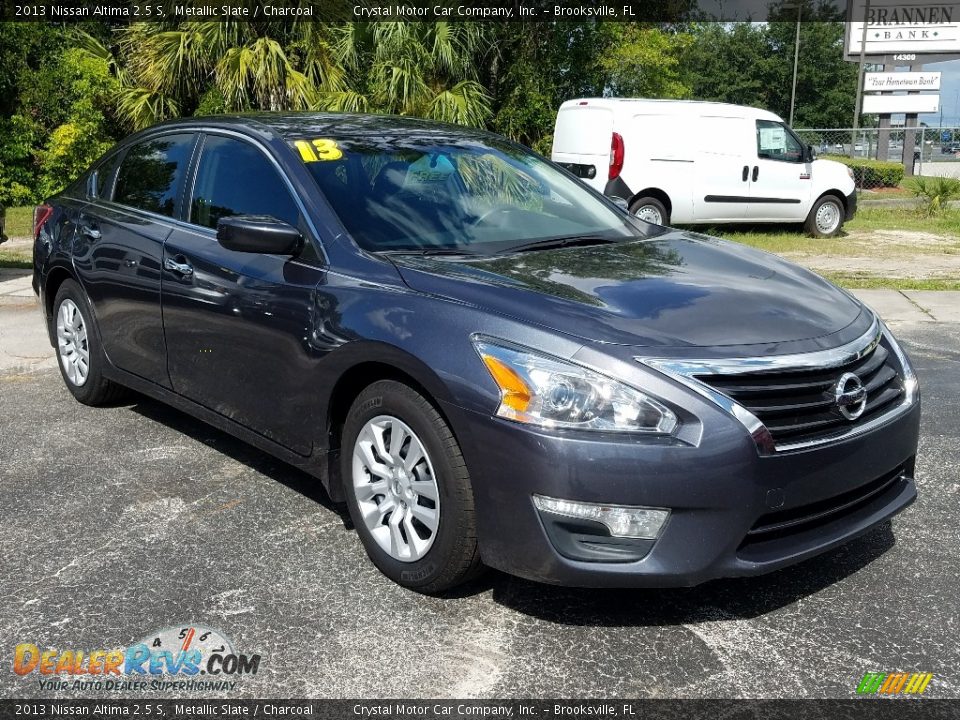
898 683
172 659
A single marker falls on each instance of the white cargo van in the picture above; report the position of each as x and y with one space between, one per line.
687 162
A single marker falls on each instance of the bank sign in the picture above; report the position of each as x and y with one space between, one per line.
904 27
874 82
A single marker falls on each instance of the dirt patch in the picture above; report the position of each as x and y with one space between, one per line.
921 267
907 254
18 244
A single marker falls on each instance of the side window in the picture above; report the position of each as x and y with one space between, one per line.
235 178
102 177
151 174
776 142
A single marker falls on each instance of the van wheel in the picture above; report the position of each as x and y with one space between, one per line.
826 217
651 210
408 489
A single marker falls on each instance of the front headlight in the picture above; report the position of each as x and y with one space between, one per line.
910 382
850 173
552 393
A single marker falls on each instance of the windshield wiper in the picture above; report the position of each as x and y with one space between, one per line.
558 242
428 251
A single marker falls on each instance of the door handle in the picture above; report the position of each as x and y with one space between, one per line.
746 171
181 268
756 172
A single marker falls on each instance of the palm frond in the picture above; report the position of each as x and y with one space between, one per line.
466 103
142 107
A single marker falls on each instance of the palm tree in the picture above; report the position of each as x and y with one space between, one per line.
410 68
422 69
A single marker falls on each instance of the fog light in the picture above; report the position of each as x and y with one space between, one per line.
622 521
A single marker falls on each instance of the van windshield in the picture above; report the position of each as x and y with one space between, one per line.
416 194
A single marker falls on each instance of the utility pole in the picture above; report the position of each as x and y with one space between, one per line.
796 58
863 52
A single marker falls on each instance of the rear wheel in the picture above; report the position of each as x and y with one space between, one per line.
79 354
650 209
408 489
826 217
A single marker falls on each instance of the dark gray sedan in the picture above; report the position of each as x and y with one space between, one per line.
490 363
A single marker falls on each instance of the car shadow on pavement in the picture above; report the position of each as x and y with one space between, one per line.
730 599
737 598
273 468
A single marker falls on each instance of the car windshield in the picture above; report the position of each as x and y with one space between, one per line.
415 194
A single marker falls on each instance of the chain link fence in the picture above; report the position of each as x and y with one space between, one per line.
877 154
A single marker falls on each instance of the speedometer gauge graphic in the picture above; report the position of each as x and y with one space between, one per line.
183 638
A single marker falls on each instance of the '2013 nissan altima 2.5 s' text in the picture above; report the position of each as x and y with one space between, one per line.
488 361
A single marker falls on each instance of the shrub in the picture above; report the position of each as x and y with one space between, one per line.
869 173
934 193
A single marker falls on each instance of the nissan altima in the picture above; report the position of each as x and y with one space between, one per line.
490 363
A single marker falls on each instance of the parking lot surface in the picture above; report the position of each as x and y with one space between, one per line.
121 522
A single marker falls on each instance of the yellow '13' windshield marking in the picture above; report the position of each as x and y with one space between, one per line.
318 149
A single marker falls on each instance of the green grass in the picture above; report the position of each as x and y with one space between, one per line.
900 218
897 193
787 239
19 221
856 242
14 259
854 281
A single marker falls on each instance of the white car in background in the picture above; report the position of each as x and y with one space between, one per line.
688 162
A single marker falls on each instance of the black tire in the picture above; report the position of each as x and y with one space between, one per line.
453 558
811 225
649 203
95 389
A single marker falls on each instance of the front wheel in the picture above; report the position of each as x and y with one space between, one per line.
826 217
408 490
651 210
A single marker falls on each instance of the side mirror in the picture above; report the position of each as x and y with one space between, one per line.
259 234
620 203
811 154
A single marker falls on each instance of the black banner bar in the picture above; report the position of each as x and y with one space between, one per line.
202 709
174 11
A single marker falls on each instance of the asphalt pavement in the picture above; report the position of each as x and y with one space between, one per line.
124 521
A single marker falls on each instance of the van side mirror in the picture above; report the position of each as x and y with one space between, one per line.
259 234
810 153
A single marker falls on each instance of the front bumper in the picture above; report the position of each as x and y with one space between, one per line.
851 205
733 512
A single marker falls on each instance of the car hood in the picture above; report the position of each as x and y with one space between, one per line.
678 289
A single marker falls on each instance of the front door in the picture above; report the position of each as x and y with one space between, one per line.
779 178
238 325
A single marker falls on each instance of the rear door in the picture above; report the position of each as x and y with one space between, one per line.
780 184
581 142
118 248
238 325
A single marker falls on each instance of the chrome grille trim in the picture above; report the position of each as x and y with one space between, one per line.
686 371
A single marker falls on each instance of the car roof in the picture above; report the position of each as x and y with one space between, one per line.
292 125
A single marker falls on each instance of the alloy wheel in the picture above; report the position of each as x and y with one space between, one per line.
72 342
395 488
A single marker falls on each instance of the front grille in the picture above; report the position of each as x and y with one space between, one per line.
799 405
